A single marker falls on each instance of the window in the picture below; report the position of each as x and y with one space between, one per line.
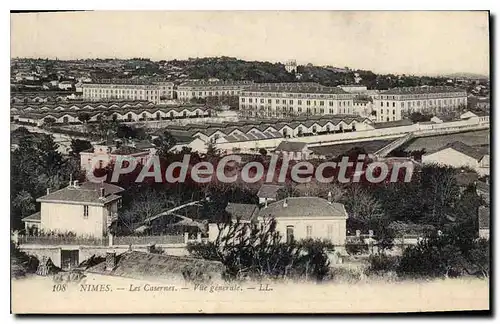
299 102
330 231
269 101
393 104
381 104
289 234
309 231
85 211
394 111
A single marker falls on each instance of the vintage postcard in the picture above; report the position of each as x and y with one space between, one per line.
250 162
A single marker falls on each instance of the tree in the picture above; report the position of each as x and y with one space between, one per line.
77 146
24 203
249 251
84 117
164 143
49 121
360 204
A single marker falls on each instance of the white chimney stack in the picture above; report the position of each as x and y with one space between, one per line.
285 203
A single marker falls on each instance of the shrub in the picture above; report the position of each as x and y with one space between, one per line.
382 263
258 252
455 252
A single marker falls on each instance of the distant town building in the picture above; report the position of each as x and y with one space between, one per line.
129 90
85 209
105 153
458 155
292 99
203 89
293 150
291 66
268 193
392 104
353 88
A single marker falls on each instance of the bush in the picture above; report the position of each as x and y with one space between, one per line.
382 263
258 252
356 245
455 252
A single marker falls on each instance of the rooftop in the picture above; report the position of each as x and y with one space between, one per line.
291 146
304 207
306 87
421 90
242 212
87 192
142 265
473 152
269 191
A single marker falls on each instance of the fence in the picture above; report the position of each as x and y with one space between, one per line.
104 241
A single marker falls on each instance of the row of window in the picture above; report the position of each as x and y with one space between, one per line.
426 96
299 102
299 95
438 102
313 110
309 232
119 91
208 93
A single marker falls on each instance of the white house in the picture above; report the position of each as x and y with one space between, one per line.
85 209
459 155
296 218
307 217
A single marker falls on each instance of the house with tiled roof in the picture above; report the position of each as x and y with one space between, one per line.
85 209
296 218
105 153
307 217
460 155
268 193
293 150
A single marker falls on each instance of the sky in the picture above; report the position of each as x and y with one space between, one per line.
421 43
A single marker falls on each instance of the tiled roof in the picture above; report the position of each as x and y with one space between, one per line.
304 207
243 212
87 192
421 90
215 83
291 146
142 265
295 88
269 191
36 217
484 217
126 150
462 148
396 123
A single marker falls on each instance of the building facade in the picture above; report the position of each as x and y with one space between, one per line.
85 209
393 104
204 89
294 99
128 90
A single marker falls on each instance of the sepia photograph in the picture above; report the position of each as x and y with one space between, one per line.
250 162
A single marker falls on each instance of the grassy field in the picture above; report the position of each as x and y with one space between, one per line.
35 295
476 138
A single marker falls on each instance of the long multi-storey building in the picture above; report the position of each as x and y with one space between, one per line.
294 99
203 89
129 90
393 104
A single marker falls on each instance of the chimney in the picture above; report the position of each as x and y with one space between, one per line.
101 192
75 183
48 191
110 261
265 202
330 199
70 179
285 202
